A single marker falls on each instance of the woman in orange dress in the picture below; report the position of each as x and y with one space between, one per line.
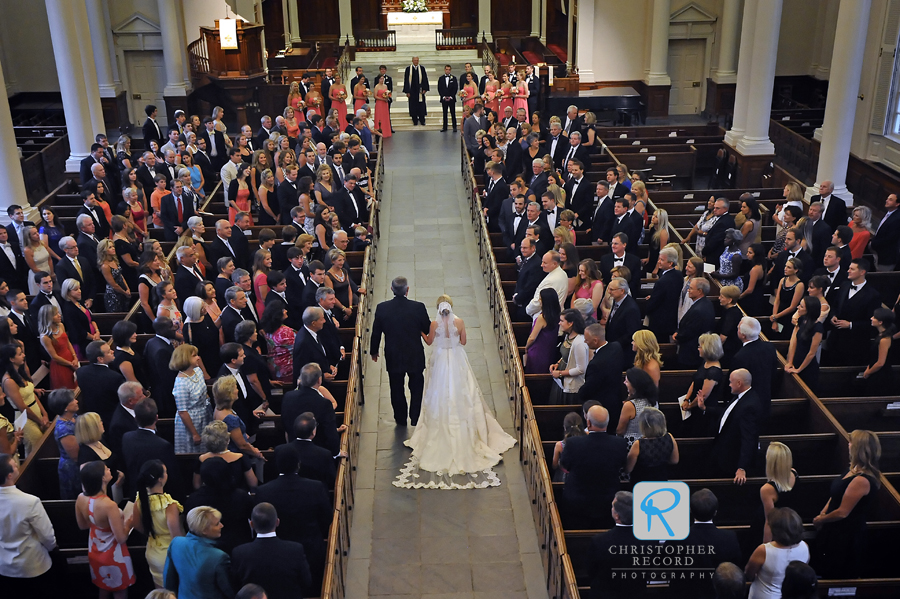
338 95
491 87
290 123
313 100
469 93
508 93
383 110
295 100
360 94
521 95
156 197
63 361
239 195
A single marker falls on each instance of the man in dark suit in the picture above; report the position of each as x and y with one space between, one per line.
607 561
402 322
331 338
327 82
151 129
315 281
265 131
73 266
92 208
616 189
123 420
620 257
27 329
288 193
792 249
699 319
215 144
737 428
602 216
45 295
97 156
833 271
623 223
448 87
234 311
841 239
145 444
592 464
534 88
221 246
603 376
624 316
186 276
662 305
296 279
575 151
556 143
759 358
580 196
104 381
88 241
535 217
514 154
715 238
848 344
885 242
415 86
316 462
572 123
496 190
512 211
174 211
147 172
202 159
309 397
308 347
304 510
13 268
530 276
821 234
157 355
278 564
232 355
834 209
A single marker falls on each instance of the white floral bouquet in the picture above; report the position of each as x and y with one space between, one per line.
414 6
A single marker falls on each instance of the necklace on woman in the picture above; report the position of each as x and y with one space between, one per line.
336 276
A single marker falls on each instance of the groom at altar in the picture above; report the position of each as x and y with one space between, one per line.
415 85
403 322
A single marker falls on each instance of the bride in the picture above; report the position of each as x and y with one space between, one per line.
457 440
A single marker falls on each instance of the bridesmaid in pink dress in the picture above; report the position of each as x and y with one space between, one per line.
382 110
338 102
490 93
360 94
471 91
314 100
508 93
295 101
521 96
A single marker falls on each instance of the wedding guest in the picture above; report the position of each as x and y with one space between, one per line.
569 371
194 564
650 456
160 520
62 402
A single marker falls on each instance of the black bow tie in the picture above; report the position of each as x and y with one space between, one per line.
520 214
854 287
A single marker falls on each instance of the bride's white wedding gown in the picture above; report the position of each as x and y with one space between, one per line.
457 440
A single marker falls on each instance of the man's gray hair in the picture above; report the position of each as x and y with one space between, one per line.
571 108
238 274
743 375
81 220
621 283
180 252
702 284
670 255
337 235
575 134
533 204
310 375
222 224
750 328
400 286
262 121
728 580
537 161
323 291
128 390
312 314
231 293
65 240
361 112
96 167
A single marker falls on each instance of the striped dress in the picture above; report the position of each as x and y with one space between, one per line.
190 396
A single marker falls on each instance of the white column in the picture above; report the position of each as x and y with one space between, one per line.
840 108
102 62
10 164
726 71
762 79
536 18
570 16
484 20
88 65
828 41
174 54
186 63
65 39
346 20
659 45
585 50
544 22
291 22
111 46
745 65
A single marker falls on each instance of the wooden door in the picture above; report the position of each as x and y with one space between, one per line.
366 15
464 14
686 64
146 72
319 19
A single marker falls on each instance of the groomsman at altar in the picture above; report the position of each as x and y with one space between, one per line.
415 85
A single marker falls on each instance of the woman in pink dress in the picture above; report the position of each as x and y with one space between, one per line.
588 284
360 94
469 93
383 110
239 195
521 95
262 265
295 100
491 101
508 93
314 100
338 95
290 123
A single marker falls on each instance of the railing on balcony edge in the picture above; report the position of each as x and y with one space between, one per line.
376 40
455 39
487 55
199 57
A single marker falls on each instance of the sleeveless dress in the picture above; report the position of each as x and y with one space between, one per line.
521 102
586 293
726 268
881 382
840 548
493 103
191 397
42 262
382 112
457 440
69 478
317 97
653 461
472 91
755 304
240 204
158 545
54 234
295 104
116 302
785 298
768 581
293 131
633 431
31 430
62 377
110 562
782 499
339 104
359 101
509 94
542 352
810 374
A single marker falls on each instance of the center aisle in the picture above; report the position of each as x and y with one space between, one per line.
436 543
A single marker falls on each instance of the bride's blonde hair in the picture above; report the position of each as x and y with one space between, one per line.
444 298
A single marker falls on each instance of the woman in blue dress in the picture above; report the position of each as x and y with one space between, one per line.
51 233
63 403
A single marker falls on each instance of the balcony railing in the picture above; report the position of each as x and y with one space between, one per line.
376 40
455 39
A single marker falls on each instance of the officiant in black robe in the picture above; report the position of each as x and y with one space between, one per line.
415 84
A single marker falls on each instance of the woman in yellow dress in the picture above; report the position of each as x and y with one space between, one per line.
162 521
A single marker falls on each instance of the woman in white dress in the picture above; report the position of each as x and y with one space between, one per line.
457 439
37 257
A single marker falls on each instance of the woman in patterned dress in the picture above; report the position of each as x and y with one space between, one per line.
62 402
280 340
191 400
118 295
729 272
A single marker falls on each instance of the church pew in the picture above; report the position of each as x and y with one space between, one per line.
841 381
680 165
868 413
608 133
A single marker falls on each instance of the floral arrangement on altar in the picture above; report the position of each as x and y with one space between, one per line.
414 6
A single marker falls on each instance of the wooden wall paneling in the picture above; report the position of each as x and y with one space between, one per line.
464 14
319 19
366 15
273 17
511 17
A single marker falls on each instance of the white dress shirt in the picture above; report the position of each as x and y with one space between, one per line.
730 408
27 535
240 380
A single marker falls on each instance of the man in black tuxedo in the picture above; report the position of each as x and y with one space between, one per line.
448 87
402 322
592 464
616 189
834 274
834 209
737 428
278 564
602 216
216 147
304 510
151 129
534 216
662 305
104 381
13 268
580 196
415 86
848 344
186 276
556 143
575 151
145 444
355 157
534 88
296 278
759 358
310 397
607 561
97 156
92 208
603 376
240 233
308 346
27 327
316 462
885 242
841 239
327 82
623 223
315 280
496 190
147 172
277 284
343 204
174 211
202 159
514 154
699 319
221 246
792 249
620 257
73 266
265 131
512 211
45 295
331 338
288 193
821 234
123 420
233 356
624 316
157 355
715 238
530 276
16 228
235 311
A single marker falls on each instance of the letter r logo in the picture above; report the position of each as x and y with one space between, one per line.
662 511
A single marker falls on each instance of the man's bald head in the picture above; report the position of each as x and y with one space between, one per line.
598 418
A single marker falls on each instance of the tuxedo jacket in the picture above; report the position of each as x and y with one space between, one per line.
168 213
448 89
216 249
142 445
593 462
514 155
737 442
262 136
326 97
481 83
700 318
185 283
832 291
782 258
309 295
562 148
498 192
279 564
715 238
606 579
602 219
662 305
618 190
631 262
39 301
624 323
625 224
836 215
342 204
122 423
145 178
245 403
301 501
296 284
402 322
603 379
274 298
582 154
530 276
854 342
545 241
821 241
241 248
157 354
886 240
306 399
507 222
66 270
581 202
84 170
14 273
203 160
230 319
760 359
307 350
331 339
288 195
388 81
101 227
152 130
104 396
27 333
217 138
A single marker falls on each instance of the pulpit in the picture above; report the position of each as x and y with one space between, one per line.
237 70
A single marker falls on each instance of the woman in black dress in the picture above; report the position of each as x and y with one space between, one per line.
728 324
776 491
147 282
753 298
840 549
200 331
787 297
88 432
708 384
879 379
650 456
128 250
255 367
805 341
127 361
